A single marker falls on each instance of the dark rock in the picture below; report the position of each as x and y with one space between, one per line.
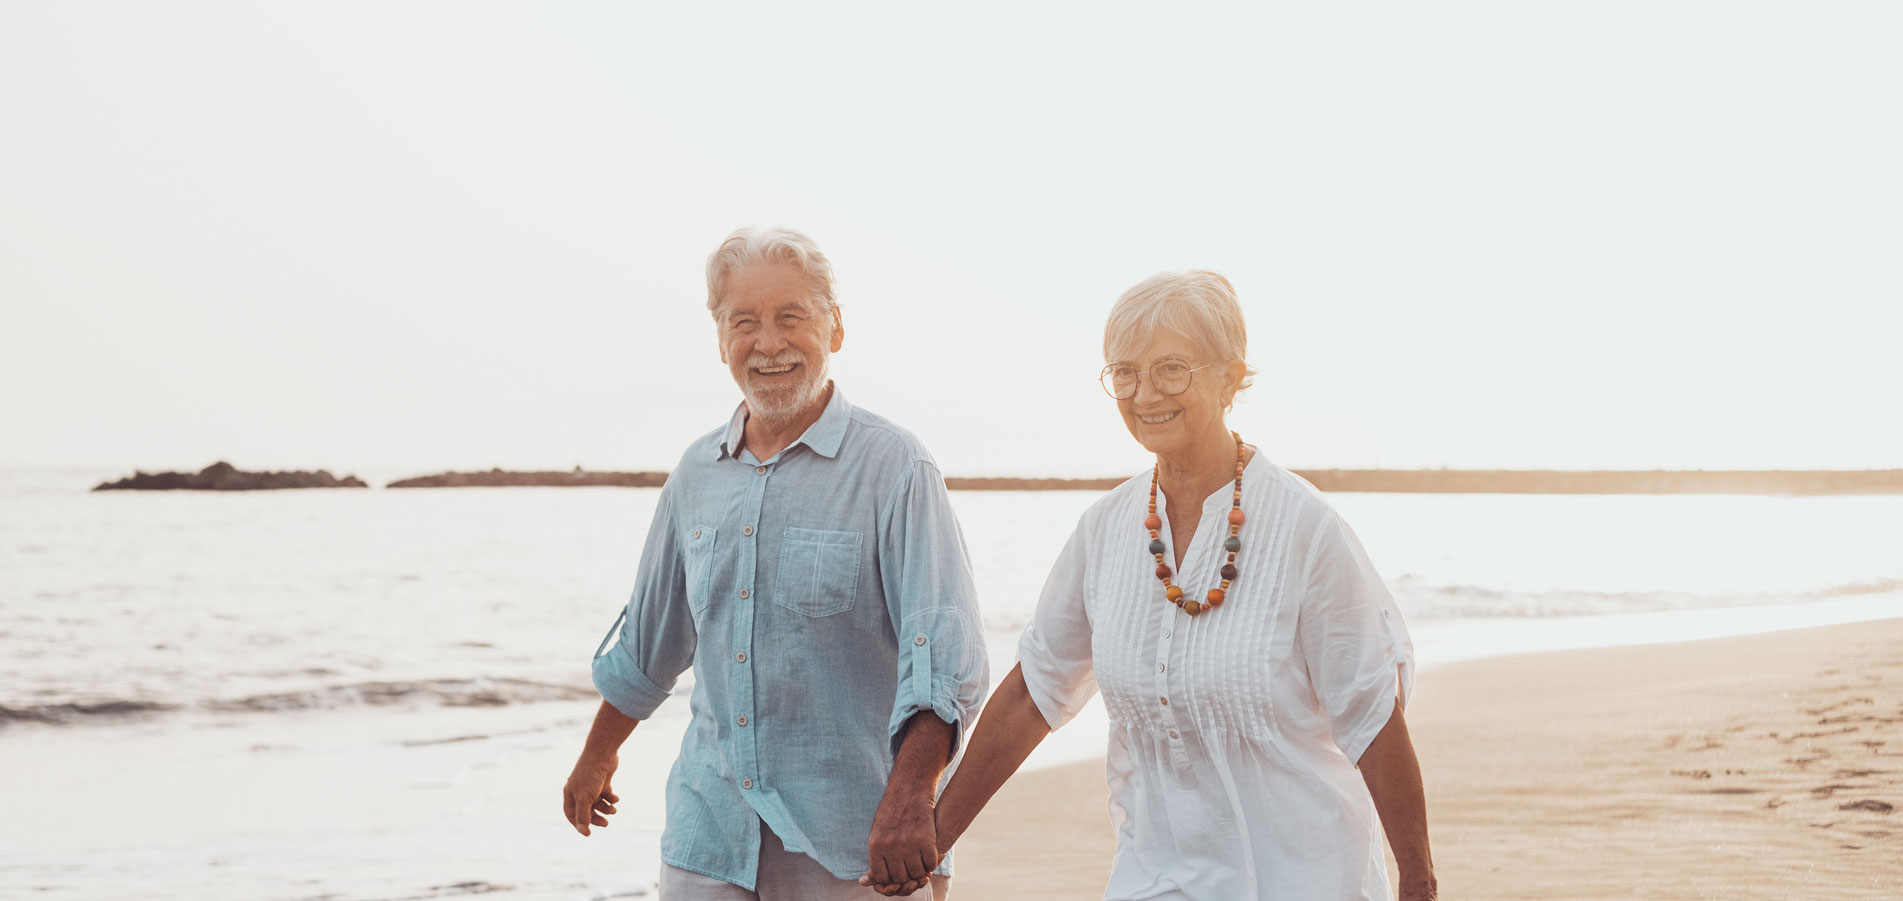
222 476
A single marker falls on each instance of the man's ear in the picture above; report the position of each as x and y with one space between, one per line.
839 330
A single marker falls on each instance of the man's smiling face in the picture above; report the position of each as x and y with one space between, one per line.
776 339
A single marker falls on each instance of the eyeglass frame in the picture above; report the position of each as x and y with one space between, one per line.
1103 377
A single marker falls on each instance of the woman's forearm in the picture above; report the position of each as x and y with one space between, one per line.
1393 775
1008 730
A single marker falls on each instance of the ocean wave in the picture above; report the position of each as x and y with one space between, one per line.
77 710
1469 601
474 692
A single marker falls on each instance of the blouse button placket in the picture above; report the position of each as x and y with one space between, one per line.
1165 711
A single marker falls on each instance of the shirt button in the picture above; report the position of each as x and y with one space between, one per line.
1173 734
920 641
1166 701
741 657
744 594
759 470
696 533
746 783
1166 633
1161 666
748 530
743 721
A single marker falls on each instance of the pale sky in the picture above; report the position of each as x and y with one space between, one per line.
458 235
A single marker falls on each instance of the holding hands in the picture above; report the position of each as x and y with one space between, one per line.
903 849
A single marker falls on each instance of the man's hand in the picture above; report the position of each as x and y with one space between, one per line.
903 849
588 798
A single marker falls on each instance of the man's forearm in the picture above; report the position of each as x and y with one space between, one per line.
923 753
1393 775
611 728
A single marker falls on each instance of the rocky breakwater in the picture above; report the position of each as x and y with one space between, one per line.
501 478
222 476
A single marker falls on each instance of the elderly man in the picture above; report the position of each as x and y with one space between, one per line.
805 561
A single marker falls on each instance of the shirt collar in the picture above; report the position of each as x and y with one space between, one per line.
824 436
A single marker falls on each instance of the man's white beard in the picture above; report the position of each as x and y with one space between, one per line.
783 403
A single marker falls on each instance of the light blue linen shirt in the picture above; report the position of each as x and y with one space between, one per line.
823 597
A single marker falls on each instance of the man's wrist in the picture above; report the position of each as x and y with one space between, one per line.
909 789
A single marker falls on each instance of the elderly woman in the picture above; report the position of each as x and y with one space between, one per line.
1253 665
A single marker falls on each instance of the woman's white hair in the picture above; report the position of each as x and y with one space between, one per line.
748 245
1197 304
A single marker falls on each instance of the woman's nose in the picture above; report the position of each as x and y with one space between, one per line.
1146 390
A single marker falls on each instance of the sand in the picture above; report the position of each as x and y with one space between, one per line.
1762 766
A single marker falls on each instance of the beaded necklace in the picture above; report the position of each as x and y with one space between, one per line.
1232 544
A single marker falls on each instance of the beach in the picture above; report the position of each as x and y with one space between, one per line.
1758 766
371 695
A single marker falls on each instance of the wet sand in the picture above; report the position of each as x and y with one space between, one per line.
1763 766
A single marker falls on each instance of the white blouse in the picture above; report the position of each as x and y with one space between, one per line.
1234 734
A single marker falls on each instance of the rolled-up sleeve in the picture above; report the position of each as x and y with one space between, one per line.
1354 644
653 641
926 576
1054 652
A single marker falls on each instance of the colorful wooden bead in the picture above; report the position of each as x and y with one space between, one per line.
1156 545
1192 608
1173 593
1229 570
1235 517
1162 572
1152 523
1215 596
1231 544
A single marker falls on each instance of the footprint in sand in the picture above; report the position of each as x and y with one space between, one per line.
1869 804
1859 774
1805 762
1818 711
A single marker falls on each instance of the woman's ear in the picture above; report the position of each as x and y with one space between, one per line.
1233 374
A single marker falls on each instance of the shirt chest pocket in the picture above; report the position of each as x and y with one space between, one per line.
699 563
819 571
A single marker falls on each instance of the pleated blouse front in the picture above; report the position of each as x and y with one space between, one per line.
1233 734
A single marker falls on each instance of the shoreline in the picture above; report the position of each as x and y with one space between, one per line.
1379 481
1767 765
1528 796
1653 482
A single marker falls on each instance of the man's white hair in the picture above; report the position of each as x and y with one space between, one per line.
748 245
1198 304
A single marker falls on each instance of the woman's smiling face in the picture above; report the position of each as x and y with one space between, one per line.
1166 424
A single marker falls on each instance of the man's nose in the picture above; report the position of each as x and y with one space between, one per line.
770 340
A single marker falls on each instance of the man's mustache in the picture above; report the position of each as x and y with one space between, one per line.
762 361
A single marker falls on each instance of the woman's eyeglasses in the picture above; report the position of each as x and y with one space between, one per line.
1170 377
